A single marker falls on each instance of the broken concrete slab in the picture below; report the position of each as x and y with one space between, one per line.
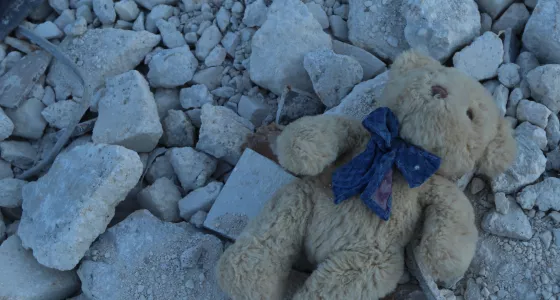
69 207
252 182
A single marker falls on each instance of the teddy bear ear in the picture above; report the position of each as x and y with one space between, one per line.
500 153
412 59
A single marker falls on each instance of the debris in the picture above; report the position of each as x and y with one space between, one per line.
105 11
59 114
253 109
6 126
553 131
210 37
533 112
255 14
161 199
177 130
545 195
19 153
196 96
161 167
166 99
294 104
513 225
508 74
193 168
315 9
170 36
48 30
515 17
502 203
544 82
127 10
494 7
533 133
158 12
482 58
200 199
171 68
371 65
541 37
10 192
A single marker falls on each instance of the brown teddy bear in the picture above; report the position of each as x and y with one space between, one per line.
366 187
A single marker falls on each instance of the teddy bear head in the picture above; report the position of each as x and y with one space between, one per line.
449 114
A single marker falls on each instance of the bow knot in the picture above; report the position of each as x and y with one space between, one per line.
371 172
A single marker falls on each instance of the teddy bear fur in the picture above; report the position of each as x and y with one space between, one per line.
357 254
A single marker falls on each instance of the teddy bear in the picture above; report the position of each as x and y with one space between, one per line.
366 186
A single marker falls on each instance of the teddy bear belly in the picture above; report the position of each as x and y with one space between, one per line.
352 226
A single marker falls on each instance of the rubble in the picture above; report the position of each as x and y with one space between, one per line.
210 37
193 168
513 225
158 12
481 58
100 176
19 153
508 74
501 94
545 195
253 109
371 65
127 10
515 17
553 131
177 130
200 199
161 167
48 30
170 36
196 96
494 7
10 192
315 9
171 68
532 133
545 87
166 99
59 114
533 112
540 37
294 104
105 11
6 126
161 199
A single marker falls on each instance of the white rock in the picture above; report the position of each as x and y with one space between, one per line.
222 19
515 97
200 199
501 95
128 114
60 114
193 168
553 131
161 199
5 170
544 82
77 28
237 8
545 195
68 16
191 38
339 27
196 96
482 58
59 5
210 37
540 36
127 10
138 25
514 225
172 67
194 115
105 11
294 104
441 27
161 168
315 9
546 239
100 176
198 219
177 130
253 109
169 34
48 30
533 133
533 112
6 126
158 12
235 206
512 46
529 165
371 65
255 14
508 74
166 99
19 153
502 203
333 75
278 47
27 119
210 77
147 256
10 192
494 7
223 133
99 57
216 57
230 42
84 11
23 277
553 159
224 92
514 17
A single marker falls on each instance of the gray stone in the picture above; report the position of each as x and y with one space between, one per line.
545 195
491 85
515 97
100 53
5 170
476 185
160 168
196 96
19 153
191 38
315 9
223 133
216 57
378 27
533 112
224 92
9 60
210 37
23 277
48 96
18 82
230 42
145 258
494 7
485 23
440 28
127 10
333 75
512 46
170 36
508 74
223 18
339 27
531 3
59 114
128 114
177 130
553 131
502 203
527 61
541 37
235 206
255 14
544 82
278 47
48 30
194 116
533 133
200 199
84 11
553 160
515 17
371 65
161 199
210 77
68 16
171 68
363 98
294 104
198 219
546 239
529 165
60 223
158 12
513 225
77 28
150 4
6 125
59 5
105 11
501 95
193 168
482 57
138 25
10 192
253 109
556 233
166 99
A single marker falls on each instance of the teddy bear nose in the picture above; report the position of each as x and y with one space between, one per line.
439 90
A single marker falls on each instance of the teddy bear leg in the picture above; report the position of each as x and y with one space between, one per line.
366 274
449 234
257 265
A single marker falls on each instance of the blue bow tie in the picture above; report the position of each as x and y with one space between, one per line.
371 172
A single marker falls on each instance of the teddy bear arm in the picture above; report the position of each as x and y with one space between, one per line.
449 234
257 265
310 144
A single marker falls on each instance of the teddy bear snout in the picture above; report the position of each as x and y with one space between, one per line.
440 91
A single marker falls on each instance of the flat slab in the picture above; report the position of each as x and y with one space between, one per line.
252 182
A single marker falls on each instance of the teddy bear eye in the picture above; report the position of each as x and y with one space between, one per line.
439 91
470 114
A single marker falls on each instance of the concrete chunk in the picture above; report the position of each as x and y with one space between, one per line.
171 68
371 65
166 99
200 199
482 58
69 207
193 168
28 120
541 37
544 82
161 199
253 109
19 153
6 125
532 133
533 112
177 130
235 206
10 192
60 114
513 225
545 194
294 104
196 96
